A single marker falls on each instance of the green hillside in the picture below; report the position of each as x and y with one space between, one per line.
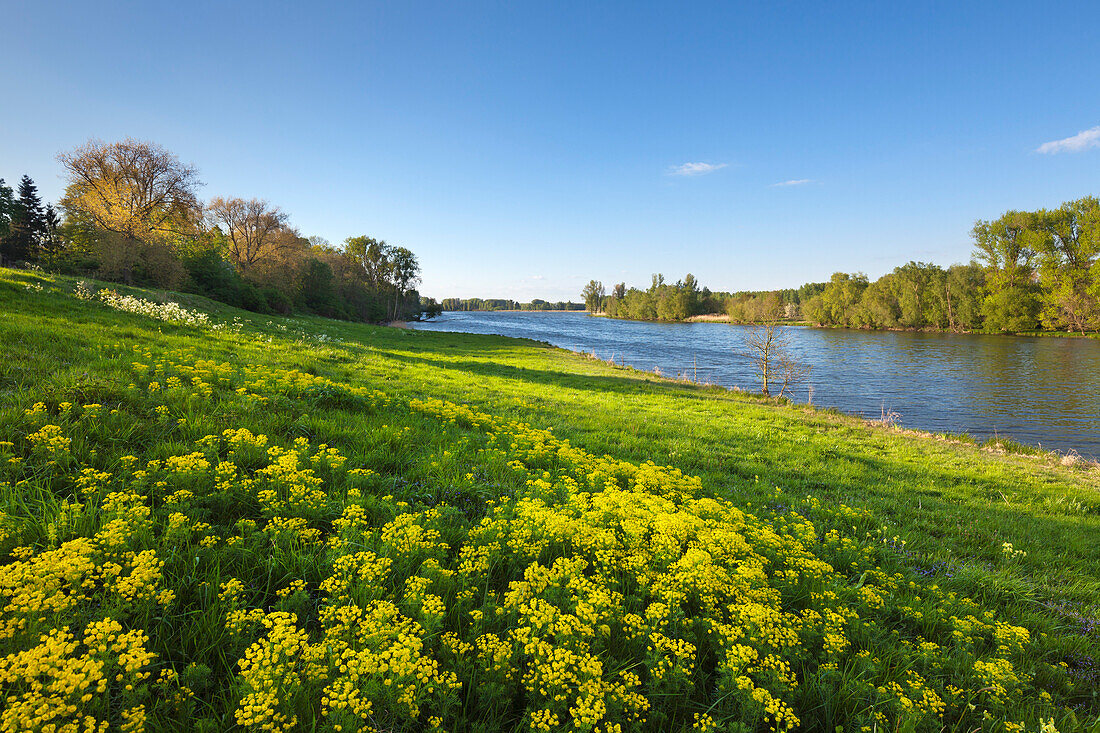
215 520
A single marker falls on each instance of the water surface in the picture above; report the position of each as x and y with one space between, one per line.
1041 391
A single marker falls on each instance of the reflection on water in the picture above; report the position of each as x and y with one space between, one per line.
1042 391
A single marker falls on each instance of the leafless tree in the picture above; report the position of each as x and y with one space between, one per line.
253 227
132 188
791 372
767 346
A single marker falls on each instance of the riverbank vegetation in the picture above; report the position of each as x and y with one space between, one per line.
131 213
214 519
1031 271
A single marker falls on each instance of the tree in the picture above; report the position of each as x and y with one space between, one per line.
430 308
7 212
690 287
964 292
1068 250
252 226
132 201
919 287
50 244
767 346
837 303
879 306
592 294
375 257
1007 246
405 273
672 304
763 308
7 208
317 288
27 226
133 188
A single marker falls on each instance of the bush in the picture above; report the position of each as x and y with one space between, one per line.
277 301
211 275
317 289
253 299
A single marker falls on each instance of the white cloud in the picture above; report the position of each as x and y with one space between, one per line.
793 182
695 169
1081 141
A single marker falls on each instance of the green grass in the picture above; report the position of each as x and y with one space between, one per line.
938 511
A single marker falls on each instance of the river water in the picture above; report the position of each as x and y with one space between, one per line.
1040 391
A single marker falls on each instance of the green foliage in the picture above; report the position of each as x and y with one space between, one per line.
1032 270
663 301
7 210
318 289
276 300
212 275
1011 308
430 307
593 294
1069 265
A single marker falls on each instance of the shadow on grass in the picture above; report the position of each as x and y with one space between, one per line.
589 382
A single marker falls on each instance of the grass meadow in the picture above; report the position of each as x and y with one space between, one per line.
212 520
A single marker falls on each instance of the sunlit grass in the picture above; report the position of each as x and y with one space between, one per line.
307 524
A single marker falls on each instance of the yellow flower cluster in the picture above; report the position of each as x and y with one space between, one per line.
58 683
605 595
50 441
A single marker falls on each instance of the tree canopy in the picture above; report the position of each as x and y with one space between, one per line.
1030 271
131 212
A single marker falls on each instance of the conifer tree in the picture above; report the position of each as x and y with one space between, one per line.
28 224
7 210
51 237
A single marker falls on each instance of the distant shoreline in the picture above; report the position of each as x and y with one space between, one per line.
517 310
721 318
725 319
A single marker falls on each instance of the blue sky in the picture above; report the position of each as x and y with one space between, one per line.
520 149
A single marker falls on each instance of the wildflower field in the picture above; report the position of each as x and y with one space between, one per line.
211 520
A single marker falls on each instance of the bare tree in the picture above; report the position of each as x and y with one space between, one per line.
760 346
135 189
767 346
791 371
253 227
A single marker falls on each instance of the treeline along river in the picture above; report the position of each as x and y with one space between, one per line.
1040 391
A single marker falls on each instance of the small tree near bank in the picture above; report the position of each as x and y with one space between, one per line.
767 346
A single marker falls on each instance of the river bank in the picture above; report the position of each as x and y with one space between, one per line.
1040 392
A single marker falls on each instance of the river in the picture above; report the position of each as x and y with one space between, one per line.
1041 391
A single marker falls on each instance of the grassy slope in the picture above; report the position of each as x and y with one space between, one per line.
954 505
